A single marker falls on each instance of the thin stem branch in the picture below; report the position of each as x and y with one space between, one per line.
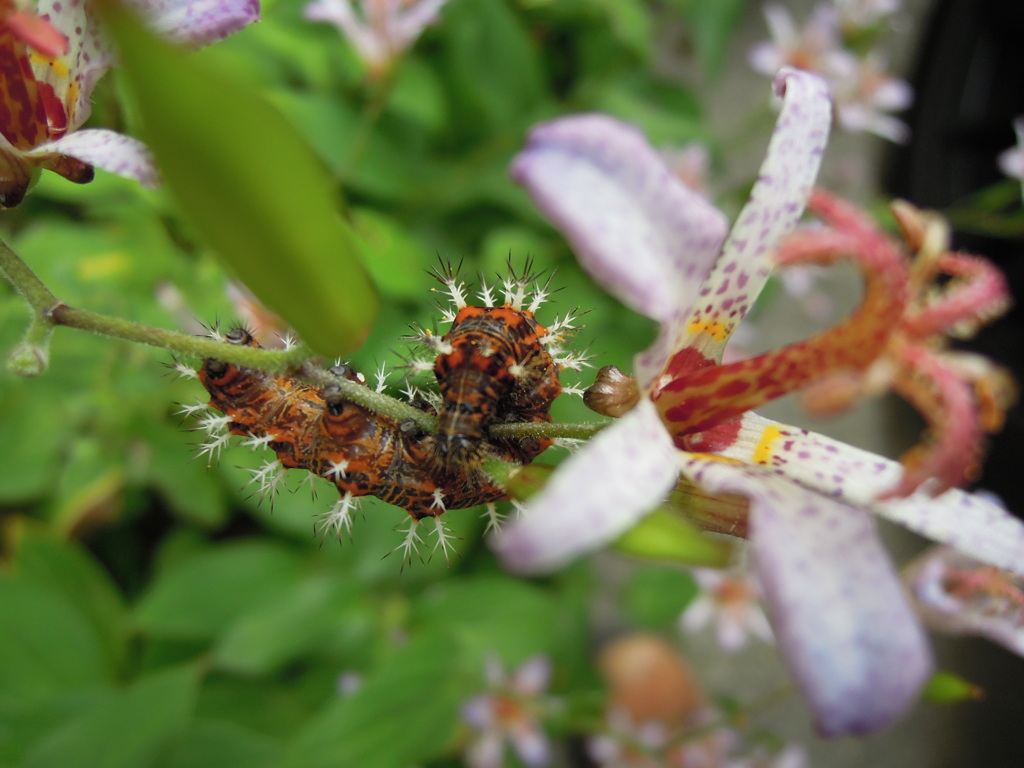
50 311
369 397
577 431
25 281
183 343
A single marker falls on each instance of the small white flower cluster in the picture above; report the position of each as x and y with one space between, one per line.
732 602
707 743
839 41
379 30
510 713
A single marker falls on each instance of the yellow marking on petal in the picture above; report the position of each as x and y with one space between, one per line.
59 67
713 328
763 453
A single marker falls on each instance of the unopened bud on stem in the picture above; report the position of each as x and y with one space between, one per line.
613 393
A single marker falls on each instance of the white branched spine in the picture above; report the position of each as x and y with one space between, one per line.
339 518
186 410
444 539
268 479
257 442
493 517
411 543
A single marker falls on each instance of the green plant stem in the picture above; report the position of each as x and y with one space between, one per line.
25 281
578 431
369 398
264 359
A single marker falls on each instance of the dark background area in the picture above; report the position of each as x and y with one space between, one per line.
969 86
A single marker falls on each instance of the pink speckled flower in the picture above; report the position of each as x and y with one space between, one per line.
813 47
732 602
864 92
805 501
45 90
509 711
380 30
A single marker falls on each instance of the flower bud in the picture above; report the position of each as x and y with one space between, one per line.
613 393
28 359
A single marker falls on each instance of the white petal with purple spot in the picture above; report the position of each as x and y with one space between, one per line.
956 594
198 23
597 494
776 203
836 605
973 524
641 233
108 150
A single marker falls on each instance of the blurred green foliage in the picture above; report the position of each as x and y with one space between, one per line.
154 613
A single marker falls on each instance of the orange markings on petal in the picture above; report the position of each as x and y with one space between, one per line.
896 339
22 112
700 399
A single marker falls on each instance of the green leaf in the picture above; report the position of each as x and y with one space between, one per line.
46 644
493 66
276 705
630 22
187 485
35 434
204 595
385 724
663 535
713 25
283 629
655 597
90 486
417 95
249 185
491 615
667 112
67 569
949 688
27 720
128 729
213 744
398 260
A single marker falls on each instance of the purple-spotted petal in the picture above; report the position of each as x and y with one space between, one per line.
641 233
108 150
597 494
971 523
959 595
198 22
776 203
835 601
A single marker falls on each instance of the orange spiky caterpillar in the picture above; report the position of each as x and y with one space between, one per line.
495 365
493 369
364 453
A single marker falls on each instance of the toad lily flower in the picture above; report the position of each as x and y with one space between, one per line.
835 603
380 30
47 79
